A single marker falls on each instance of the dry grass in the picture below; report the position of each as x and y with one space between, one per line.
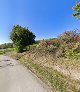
41 64
56 80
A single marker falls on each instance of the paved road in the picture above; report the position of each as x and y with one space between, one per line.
16 78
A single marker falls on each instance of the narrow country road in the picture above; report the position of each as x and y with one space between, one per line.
16 78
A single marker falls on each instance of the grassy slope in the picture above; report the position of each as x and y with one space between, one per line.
56 80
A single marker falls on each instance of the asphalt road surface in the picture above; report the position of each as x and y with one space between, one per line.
16 78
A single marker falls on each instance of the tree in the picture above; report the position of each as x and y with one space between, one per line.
21 37
76 8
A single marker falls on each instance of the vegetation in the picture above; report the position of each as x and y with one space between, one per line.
63 51
53 78
21 37
6 45
41 57
66 45
76 8
1 52
56 80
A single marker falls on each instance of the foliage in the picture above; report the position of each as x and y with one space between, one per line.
31 47
66 45
70 36
76 8
71 42
1 52
21 37
10 50
56 80
6 45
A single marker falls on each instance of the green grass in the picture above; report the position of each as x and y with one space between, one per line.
30 47
10 49
55 79
1 52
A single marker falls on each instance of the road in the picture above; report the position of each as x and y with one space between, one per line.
14 77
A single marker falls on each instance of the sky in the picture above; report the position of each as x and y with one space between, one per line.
45 18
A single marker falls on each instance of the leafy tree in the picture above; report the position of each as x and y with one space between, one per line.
21 37
76 8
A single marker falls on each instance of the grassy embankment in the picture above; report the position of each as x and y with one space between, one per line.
63 51
56 80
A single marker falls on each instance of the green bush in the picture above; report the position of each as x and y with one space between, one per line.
22 37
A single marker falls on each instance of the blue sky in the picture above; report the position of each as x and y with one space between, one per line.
45 18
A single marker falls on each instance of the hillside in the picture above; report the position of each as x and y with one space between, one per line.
55 61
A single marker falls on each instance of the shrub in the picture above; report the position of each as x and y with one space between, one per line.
21 37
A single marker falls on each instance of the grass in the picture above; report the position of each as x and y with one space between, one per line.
10 49
30 47
55 79
7 50
1 52
68 63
